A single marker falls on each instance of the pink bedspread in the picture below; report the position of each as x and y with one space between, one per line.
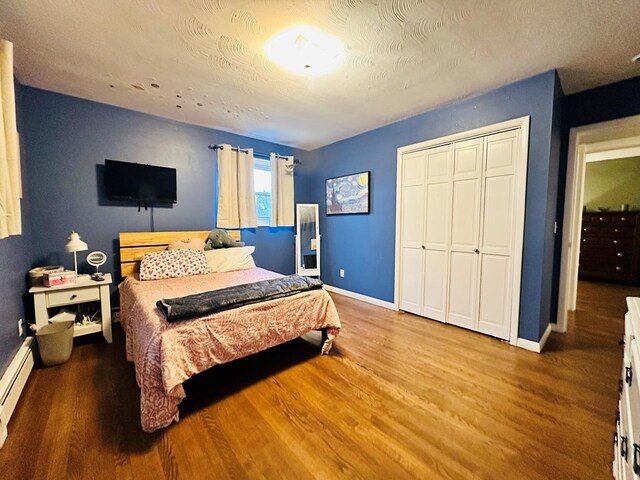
166 354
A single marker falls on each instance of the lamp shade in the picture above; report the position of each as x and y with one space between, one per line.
75 244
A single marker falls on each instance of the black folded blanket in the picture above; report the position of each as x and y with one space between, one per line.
176 309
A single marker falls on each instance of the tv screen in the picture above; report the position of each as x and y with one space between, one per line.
139 182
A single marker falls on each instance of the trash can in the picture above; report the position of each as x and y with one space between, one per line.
55 342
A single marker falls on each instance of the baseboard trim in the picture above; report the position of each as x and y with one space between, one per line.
535 346
12 383
359 296
556 328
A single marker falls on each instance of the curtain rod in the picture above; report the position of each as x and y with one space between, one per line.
215 146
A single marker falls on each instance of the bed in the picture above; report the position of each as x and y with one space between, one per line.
166 354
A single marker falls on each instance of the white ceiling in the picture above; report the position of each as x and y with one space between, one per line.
403 57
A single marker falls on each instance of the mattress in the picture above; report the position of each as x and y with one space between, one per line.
166 354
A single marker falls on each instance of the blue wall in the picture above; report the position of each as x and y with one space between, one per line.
364 245
68 140
601 104
15 258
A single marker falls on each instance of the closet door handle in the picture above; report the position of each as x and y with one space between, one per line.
636 454
623 447
628 376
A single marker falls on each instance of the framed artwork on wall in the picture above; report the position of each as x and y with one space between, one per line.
347 194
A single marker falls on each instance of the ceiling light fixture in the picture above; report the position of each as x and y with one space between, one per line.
636 58
305 49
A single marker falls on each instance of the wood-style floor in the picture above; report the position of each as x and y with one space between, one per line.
399 397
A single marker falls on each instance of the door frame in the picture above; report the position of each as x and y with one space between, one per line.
521 185
620 134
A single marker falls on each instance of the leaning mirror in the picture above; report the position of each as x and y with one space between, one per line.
307 240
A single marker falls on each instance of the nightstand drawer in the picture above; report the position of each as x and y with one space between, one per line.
67 297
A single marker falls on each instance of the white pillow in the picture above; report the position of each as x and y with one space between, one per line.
228 259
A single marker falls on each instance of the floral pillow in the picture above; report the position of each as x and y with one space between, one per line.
172 263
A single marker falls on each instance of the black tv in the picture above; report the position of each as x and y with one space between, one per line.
139 182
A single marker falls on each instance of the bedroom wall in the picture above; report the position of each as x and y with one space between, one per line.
15 258
364 245
68 140
616 100
611 183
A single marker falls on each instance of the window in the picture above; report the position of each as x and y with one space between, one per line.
262 184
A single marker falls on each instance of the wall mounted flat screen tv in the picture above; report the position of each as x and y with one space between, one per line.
139 182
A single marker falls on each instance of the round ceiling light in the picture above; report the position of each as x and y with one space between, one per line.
636 58
305 49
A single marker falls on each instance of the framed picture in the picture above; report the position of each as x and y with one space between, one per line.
347 194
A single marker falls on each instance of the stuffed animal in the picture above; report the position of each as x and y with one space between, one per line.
221 239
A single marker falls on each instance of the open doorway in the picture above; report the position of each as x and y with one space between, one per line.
617 139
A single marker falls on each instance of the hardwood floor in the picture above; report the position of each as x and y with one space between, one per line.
399 397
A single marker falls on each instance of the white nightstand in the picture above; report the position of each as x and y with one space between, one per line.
80 292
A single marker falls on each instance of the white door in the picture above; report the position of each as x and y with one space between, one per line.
461 223
497 237
436 231
465 226
412 228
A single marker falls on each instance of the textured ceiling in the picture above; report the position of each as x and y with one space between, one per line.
402 57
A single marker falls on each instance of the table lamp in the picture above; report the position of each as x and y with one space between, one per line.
75 245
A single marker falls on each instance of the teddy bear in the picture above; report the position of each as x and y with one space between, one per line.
221 239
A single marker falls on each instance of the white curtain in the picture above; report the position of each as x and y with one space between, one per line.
281 191
236 193
10 176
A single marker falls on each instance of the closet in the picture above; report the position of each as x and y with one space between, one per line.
461 218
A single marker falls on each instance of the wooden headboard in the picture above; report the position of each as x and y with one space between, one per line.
133 245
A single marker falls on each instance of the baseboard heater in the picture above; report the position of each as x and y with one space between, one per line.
12 383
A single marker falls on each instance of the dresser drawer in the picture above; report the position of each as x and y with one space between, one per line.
616 231
622 219
68 297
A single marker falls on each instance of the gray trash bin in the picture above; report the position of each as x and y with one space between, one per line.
55 342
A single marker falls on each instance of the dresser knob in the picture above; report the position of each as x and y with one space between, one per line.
73 297
617 230
618 269
584 240
615 242
601 219
623 219
619 254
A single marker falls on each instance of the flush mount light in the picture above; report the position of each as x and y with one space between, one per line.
305 49
636 58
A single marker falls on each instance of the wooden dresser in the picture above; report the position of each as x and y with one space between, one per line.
610 247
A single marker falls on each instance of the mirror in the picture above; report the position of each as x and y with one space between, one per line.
307 240
96 259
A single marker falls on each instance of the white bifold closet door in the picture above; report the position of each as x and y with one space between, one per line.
412 259
497 235
436 232
465 225
457 232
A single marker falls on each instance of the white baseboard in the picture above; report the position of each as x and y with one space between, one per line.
12 383
359 296
556 328
535 346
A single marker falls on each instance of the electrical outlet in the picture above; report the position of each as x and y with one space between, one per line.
20 328
342 272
